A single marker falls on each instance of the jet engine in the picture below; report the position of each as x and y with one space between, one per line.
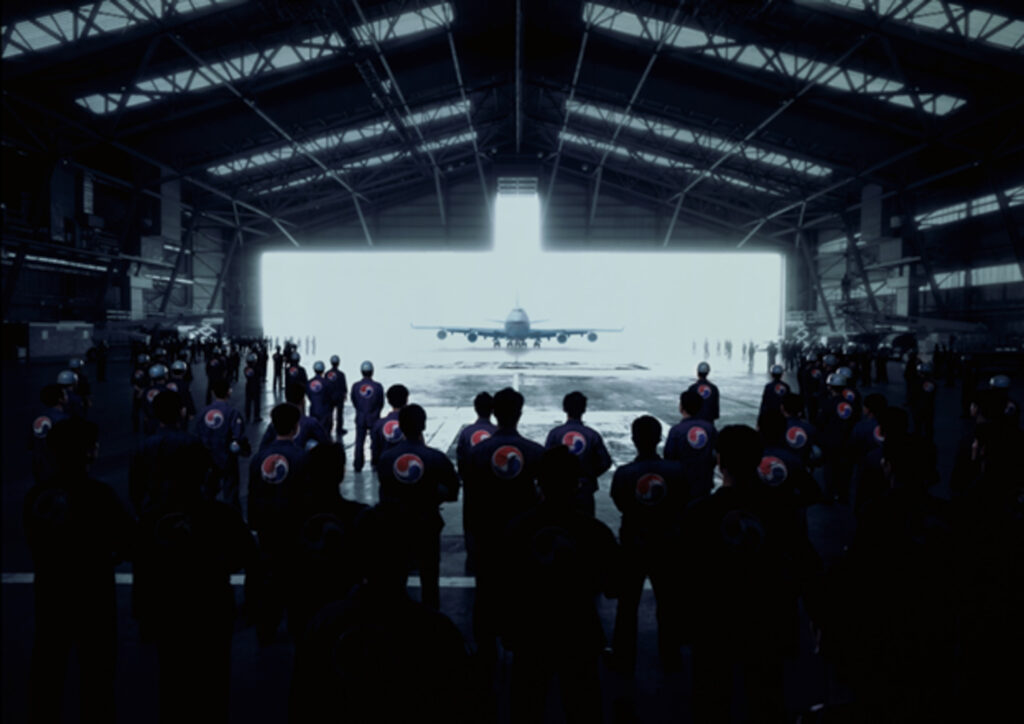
441 334
471 336
592 336
562 338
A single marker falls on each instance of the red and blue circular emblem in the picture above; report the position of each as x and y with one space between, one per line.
249 372
928 386
316 385
844 410
849 395
213 419
697 437
772 470
151 395
408 468
781 388
575 441
816 373
331 375
293 371
274 469
704 391
877 434
478 437
392 432
650 489
172 386
507 462
366 390
41 426
796 437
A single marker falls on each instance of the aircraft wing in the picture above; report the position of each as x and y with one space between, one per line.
486 332
553 333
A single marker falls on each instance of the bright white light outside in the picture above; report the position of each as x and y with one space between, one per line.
361 304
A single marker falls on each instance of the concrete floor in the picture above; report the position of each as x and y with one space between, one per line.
444 383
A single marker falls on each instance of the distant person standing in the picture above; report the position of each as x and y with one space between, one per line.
708 393
751 351
278 360
368 399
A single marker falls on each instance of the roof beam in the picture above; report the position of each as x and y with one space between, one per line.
519 75
469 120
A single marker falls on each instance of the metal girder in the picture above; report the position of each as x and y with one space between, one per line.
854 251
135 153
226 82
737 147
913 235
224 269
469 119
812 269
519 75
632 100
1012 230
183 244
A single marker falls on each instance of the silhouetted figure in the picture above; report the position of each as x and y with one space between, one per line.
188 548
377 655
499 485
323 561
53 399
691 441
418 479
221 429
311 433
386 432
708 392
77 529
367 397
651 494
739 603
469 437
557 561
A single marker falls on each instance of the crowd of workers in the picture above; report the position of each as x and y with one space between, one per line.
917 616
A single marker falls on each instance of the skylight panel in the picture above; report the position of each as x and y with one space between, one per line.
240 68
362 163
950 18
695 138
64 27
655 159
760 58
968 209
447 142
436 114
315 145
405 24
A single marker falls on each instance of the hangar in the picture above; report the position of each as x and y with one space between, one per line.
662 183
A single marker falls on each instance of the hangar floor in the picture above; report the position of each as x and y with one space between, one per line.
444 383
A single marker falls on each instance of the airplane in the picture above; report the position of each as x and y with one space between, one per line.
517 331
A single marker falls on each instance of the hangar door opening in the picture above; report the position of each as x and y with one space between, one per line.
361 304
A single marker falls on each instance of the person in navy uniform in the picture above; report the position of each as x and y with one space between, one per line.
253 388
835 424
139 380
77 530
82 386
651 493
922 401
773 392
278 360
221 429
216 369
867 433
801 436
708 393
418 479
500 483
277 479
583 442
337 387
691 441
182 380
158 382
387 432
319 395
53 399
156 467
75 406
294 373
1000 384
367 397
310 434
469 437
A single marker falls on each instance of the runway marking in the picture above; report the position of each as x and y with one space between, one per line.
238 579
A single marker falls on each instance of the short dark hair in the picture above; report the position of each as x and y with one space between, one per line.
397 395
71 441
412 419
646 431
294 393
483 403
574 404
559 474
739 451
167 407
691 402
772 426
284 417
326 467
51 395
793 404
221 388
508 407
876 403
